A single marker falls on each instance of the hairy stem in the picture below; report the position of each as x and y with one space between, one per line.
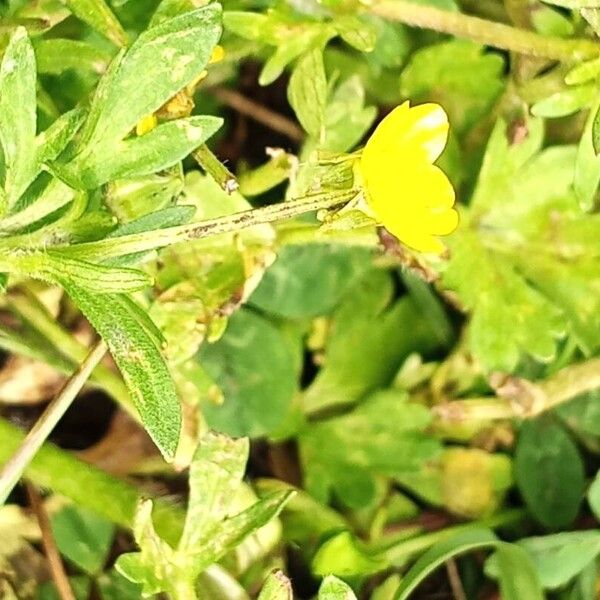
485 32
16 465
142 242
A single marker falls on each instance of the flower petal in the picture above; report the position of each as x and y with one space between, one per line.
419 132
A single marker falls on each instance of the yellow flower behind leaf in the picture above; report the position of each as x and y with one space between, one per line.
409 195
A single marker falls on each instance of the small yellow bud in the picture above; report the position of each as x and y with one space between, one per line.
148 123
217 54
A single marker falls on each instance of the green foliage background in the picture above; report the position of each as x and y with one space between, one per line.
349 415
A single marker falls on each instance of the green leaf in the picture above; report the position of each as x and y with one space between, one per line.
276 587
253 405
210 530
333 588
343 555
557 558
385 436
56 55
587 165
159 149
574 3
509 316
113 586
596 133
347 119
82 537
116 318
98 15
457 74
215 475
53 266
161 61
549 472
437 555
367 343
593 495
518 577
307 92
18 115
308 281
565 102
582 414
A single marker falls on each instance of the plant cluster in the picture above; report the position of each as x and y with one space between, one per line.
332 267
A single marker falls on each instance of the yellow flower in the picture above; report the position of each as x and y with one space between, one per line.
409 195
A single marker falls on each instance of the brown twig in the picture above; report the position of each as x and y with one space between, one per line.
258 112
57 569
454 579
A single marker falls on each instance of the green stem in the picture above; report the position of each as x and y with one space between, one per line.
485 32
151 240
89 486
216 169
523 399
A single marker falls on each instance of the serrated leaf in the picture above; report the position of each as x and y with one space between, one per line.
139 360
549 472
367 343
18 115
509 317
307 92
98 15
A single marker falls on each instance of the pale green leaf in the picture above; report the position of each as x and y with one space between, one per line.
98 15
276 587
518 577
566 102
18 115
159 149
215 474
307 92
161 61
333 588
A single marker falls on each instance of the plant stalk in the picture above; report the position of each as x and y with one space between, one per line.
523 399
485 32
152 240
17 463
